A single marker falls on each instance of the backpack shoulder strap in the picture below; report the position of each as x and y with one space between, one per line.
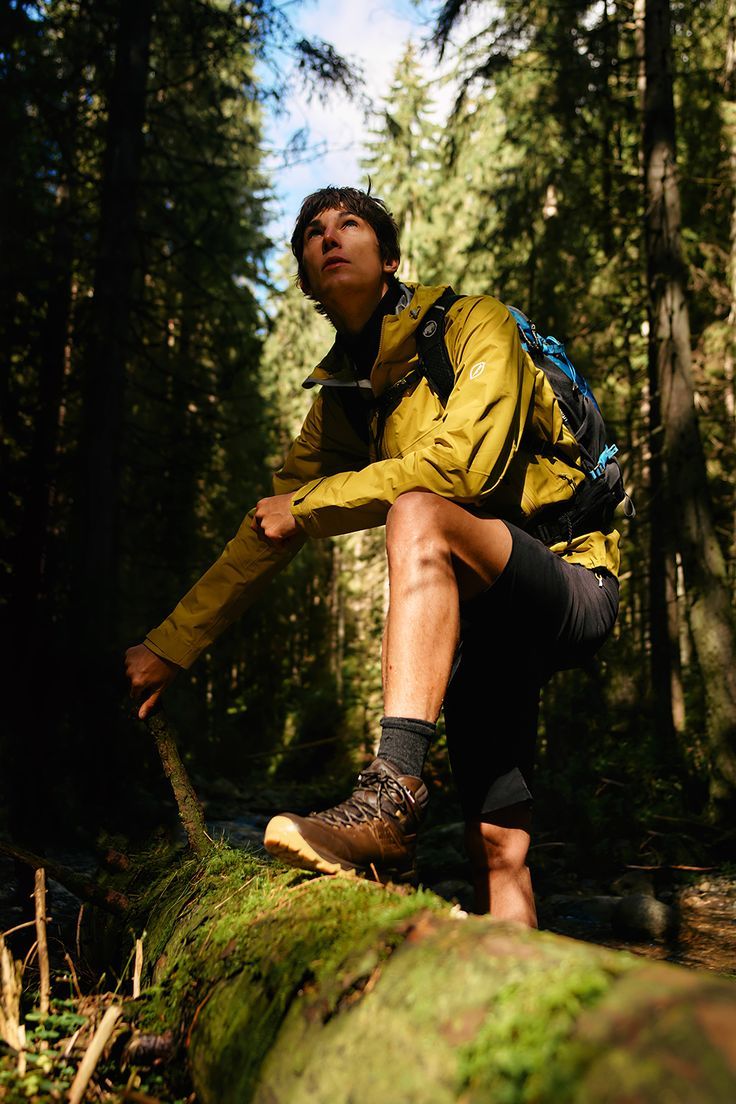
434 360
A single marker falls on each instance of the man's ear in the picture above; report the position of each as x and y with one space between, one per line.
389 267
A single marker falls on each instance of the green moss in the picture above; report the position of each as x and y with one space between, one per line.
525 1051
252 933
297 945
290 984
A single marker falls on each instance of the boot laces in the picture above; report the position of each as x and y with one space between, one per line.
358 809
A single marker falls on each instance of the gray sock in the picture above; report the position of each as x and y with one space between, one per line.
405 742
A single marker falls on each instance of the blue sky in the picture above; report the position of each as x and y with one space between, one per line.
374 33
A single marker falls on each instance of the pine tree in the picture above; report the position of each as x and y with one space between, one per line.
402 162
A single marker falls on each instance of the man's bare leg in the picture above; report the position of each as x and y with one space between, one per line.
438 555
497 845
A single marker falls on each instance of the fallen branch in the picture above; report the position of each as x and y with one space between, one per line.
137 968
93 1054
10 993
78 884
39 899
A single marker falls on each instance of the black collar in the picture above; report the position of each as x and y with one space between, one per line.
362 348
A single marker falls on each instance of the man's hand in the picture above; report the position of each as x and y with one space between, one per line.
149 676
274 522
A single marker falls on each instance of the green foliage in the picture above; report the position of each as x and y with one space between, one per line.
49 1073
553 90
530 190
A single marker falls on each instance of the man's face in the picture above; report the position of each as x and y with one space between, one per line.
342 256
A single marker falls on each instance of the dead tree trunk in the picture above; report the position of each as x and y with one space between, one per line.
685 480
284 987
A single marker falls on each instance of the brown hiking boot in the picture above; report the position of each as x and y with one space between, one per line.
373 833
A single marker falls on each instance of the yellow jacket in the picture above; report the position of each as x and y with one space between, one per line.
499 447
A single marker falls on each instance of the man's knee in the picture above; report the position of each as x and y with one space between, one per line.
415 508
499 841
416 519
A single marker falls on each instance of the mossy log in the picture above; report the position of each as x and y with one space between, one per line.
286 987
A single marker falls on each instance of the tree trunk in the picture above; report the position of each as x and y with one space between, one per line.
686 486
110 338
729 366
287 988
660 650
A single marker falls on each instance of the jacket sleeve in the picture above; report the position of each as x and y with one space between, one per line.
326 444
473 443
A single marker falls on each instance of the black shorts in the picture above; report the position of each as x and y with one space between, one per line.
540 616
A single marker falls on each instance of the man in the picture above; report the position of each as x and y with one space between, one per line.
456 485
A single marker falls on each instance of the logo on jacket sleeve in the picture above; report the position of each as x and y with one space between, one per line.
476 370
429 329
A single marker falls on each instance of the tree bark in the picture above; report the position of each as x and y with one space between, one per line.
110 338
284 987
661 659
686 484
729 366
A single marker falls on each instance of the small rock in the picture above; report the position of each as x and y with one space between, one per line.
560 900
693 901
599 907
590 910
634 883
640 916
453 889
452 835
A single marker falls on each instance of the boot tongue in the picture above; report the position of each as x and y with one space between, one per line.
407 794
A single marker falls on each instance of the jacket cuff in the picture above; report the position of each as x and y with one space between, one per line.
301 512
183 659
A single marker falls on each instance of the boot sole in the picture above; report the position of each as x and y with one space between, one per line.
284 841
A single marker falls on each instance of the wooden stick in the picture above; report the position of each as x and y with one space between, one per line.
138 968
78 884
31 952
44 973
78 933
94 1052
22 1050
18 927
10 994
73 974
190 810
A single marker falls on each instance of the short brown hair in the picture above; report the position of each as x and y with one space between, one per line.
368 207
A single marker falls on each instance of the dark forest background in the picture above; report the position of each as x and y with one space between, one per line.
153 345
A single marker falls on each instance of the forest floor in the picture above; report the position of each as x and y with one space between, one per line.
679 915
696 927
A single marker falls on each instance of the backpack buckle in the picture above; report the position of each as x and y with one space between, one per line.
608 454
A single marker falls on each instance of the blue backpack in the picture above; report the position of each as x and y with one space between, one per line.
592 507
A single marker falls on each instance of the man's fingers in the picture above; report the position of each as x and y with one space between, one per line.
149 704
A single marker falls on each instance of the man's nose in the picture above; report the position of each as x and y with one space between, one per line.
329 240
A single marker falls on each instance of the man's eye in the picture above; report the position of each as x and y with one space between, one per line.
313 231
